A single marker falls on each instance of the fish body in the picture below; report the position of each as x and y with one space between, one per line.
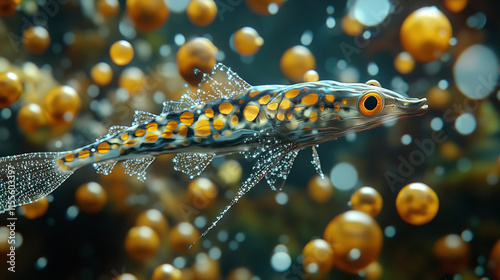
225 115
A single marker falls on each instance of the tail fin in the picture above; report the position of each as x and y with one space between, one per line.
29 177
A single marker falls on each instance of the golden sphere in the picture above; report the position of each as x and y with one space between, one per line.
417 204
141 243
320 190
205 268
247 41
240 273
198 53
4 239
404 63
450 150
202 192
426 34
62 103
452 253
153 219
148 15
182 236
10 89
295 62
121 52
455 5
201 12
494 260
91 197
438 98
125 276
101 74
133 80
262 7
166 272
311 76
9 7
108 8
368 200
30 118
36 209
351 26
317 256
373 271
230 172
356 240
36 39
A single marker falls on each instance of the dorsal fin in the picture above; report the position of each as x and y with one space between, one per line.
277 176
192 164
104 167
317 163
138 166
220 83
142 117
112 130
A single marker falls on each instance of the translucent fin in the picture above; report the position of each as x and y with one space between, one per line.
276 177
317 164
220 83
192 163
138 166
265 162
29 177
142 117
112 131
104 167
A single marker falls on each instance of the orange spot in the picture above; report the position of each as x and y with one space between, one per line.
292 93
216 136
103 148
172 125
344 101
280 116
336 117
124 136
182 131
337 107
234 120
69 157
250 112
313 117
227 133
187 118
285 104
218 124
264 99
60 162
273 105
185 142
226 108
307 128
151 137
289 115
84 154
240 101
167 133
130 143
310 99
202 128
209 113
152 127
140 132
253 93
115 146
329 97
322 107
65 167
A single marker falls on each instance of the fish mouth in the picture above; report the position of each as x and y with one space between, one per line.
413 106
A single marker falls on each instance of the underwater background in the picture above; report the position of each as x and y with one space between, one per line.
430 209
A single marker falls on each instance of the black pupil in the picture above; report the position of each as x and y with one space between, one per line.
371 103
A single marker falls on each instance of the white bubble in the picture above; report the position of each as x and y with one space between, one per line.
330 10
351 137
178 6
370 12
280 248
214 253
344 176
281 261
341 64
41 263
437 124
200 222
179 262
273 8
281 198
240 237
306 38
443 84
349 75
330 22
406 139
479 271
179 39
390 231
367 34
492 179
6 113
467 235
354 254
465 124
476 72
453 241
372 69
453 41
72 212
464 165
222 236
439 171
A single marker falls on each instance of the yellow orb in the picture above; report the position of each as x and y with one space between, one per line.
404 63
206 268
9 7
101 74
438 98
426 34
4 239
356 240
141 243
198 53
30 118
182 236
494 260
450 150
295 62
108 8
121 52
148 15
91 197
452 253
247 41
230 172
240 273
125 276
317 256
153 219
166 272
368 200
36 39
62 103
351 26
202 193
10 89
36 209
201 12
455 5
133 80
373 271
311 76
417 204
320 190
264 7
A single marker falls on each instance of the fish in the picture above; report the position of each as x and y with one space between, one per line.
269 124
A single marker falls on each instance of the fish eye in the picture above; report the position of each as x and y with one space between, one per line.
370 103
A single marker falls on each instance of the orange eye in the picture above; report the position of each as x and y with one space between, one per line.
370 104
